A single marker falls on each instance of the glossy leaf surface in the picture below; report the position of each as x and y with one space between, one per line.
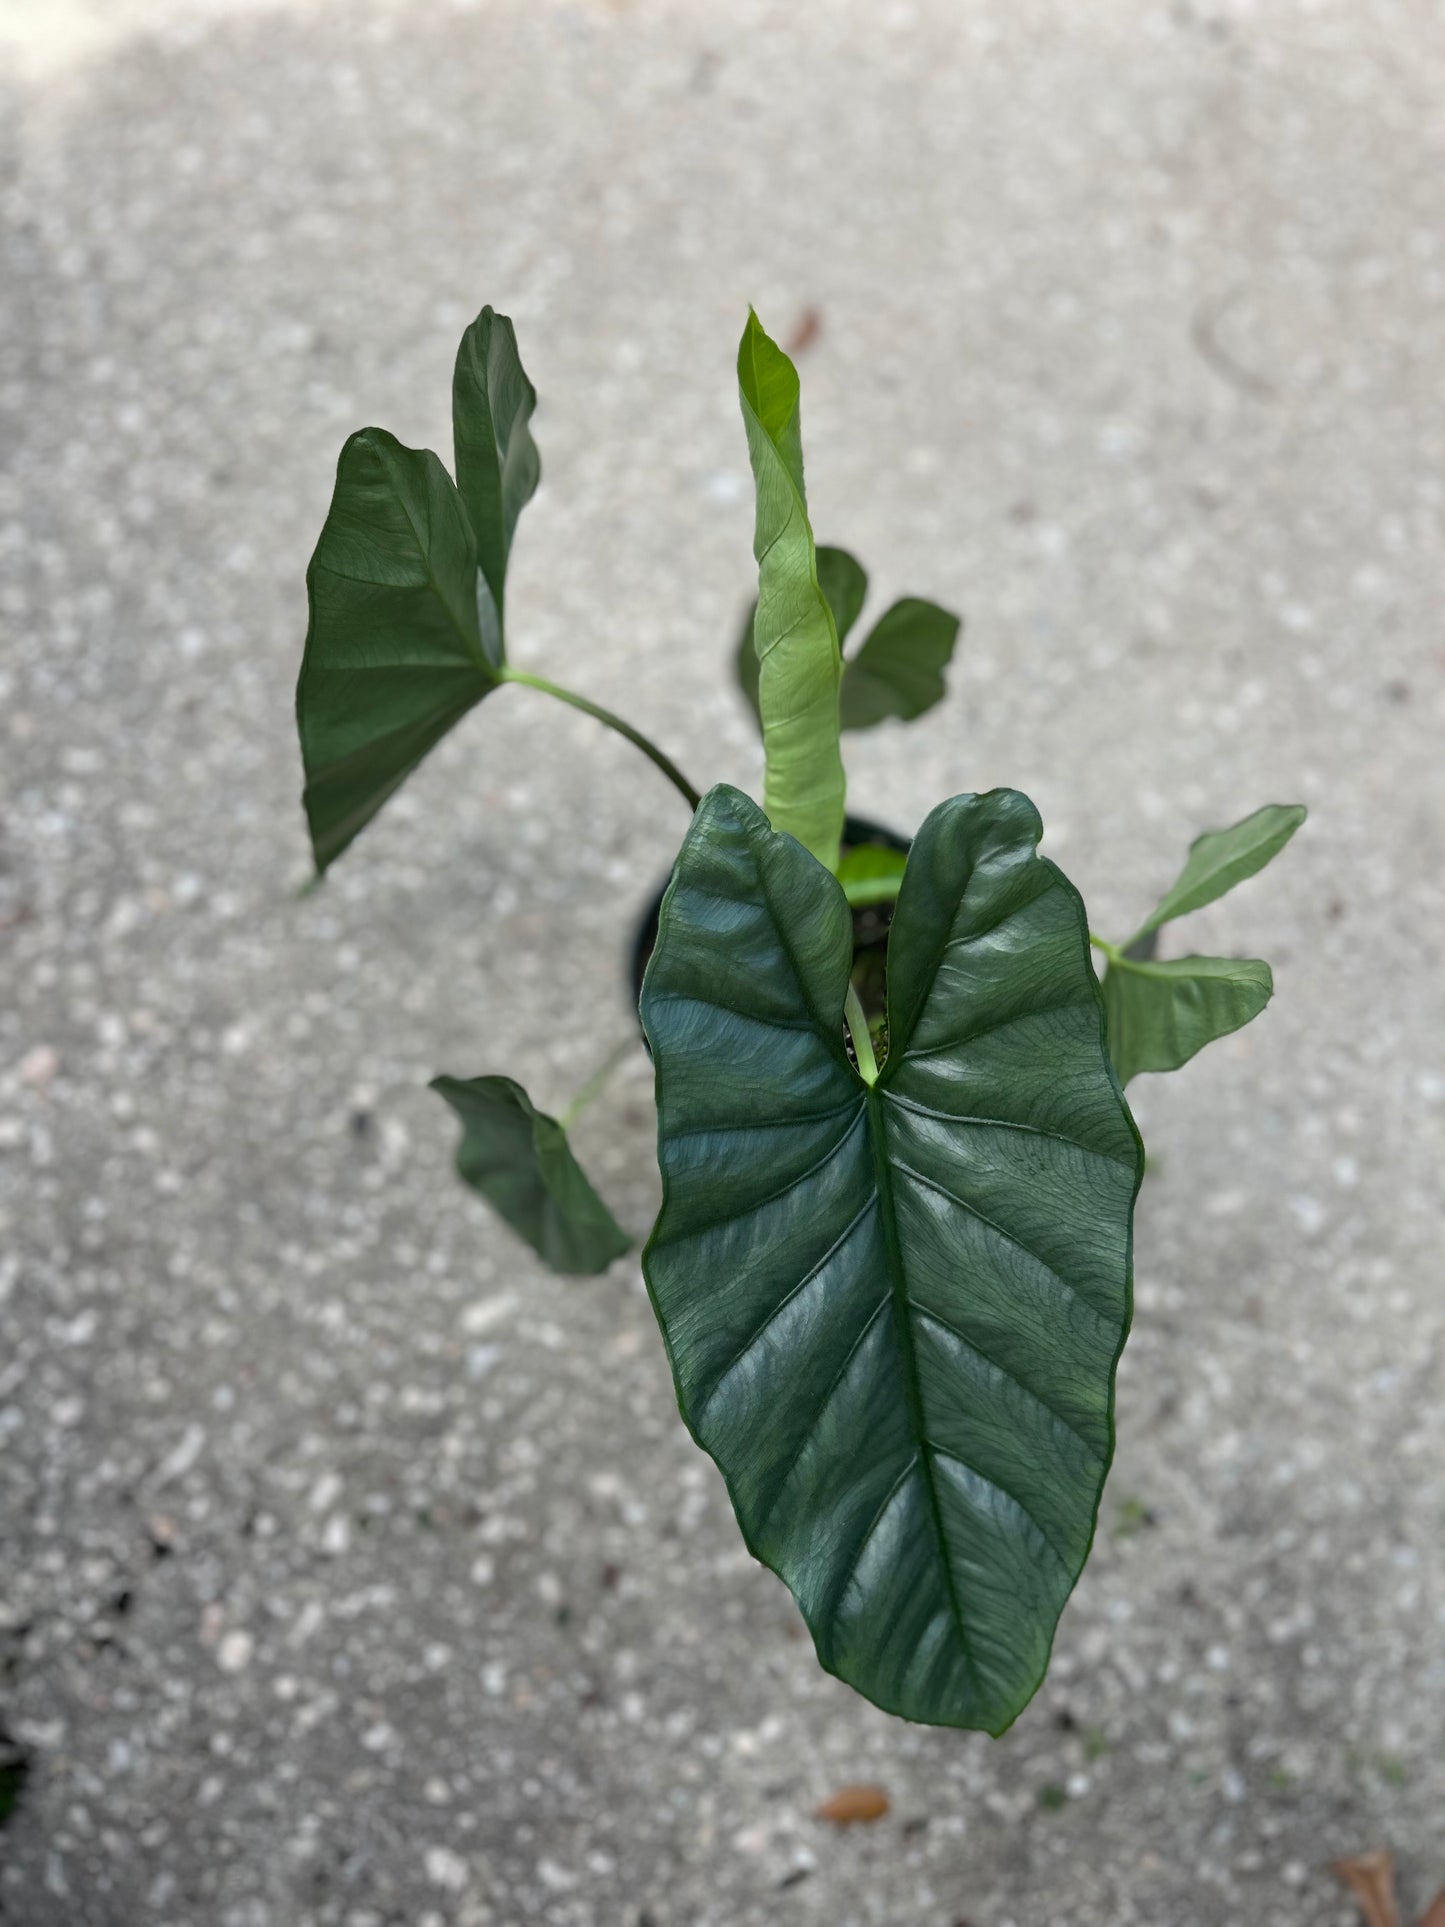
893 1315
519 1160
844 585
498 466
899 669
799 665
394 652
1219 859
1161 1014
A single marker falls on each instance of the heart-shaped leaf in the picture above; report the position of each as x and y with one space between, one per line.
1221 858
799 665
844 584
405 591
519 1160
1161 1014
394 652
899 670
498 467
893 1312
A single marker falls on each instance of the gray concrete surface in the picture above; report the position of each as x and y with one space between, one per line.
356 1573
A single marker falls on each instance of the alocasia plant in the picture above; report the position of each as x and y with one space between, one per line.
893 1261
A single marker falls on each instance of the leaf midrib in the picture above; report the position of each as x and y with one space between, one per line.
908 1358
1171 969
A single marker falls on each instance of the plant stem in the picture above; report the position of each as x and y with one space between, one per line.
1110 950
862 1041
596 1083
635 736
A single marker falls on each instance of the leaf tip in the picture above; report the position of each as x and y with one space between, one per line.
766 376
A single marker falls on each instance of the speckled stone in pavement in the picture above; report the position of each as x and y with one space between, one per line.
358 1574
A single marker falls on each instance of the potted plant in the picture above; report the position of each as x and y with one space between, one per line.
892 1265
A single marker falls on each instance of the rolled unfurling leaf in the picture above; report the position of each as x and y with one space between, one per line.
844 585
799 665
898 671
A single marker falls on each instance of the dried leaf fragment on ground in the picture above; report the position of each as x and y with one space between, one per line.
851 1804
1370 1877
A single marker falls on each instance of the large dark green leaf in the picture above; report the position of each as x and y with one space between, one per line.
899 670
844 584
394 652
799 665
406 591
1160 1014
893 1313
498 466
1221 858
519 1160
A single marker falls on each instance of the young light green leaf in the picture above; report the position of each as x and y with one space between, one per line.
1221 858
899 670
498 466
519 1160
394 653
843 582
871 873
799 665
894 1312
1160 1014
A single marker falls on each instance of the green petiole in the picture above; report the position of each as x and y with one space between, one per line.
597 1082
674 775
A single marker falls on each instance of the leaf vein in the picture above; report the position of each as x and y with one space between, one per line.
924 1311
824 1401
786 1300
835 1604
1004 1023
1005 1124
731 1217
932 1184
1013 1499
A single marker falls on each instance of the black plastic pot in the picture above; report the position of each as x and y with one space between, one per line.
870 924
